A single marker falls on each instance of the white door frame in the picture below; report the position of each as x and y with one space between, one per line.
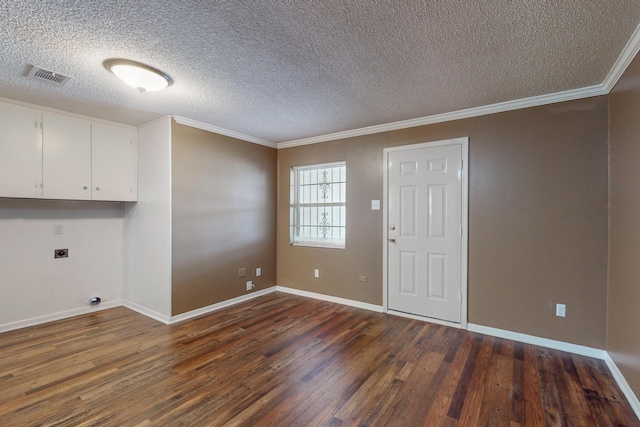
464 143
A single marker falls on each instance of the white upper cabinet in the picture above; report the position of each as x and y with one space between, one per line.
61 156
66 163
113 163
20 152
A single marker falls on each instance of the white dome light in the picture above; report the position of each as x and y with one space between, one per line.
143 77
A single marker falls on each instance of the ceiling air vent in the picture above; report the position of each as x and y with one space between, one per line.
48 76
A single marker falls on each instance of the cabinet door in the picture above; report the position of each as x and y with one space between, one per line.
20 152
113 163
66 163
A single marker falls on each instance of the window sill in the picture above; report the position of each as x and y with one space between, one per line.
323 245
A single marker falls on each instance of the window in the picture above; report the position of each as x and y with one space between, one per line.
318 205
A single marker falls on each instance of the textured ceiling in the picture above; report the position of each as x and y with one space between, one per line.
285 70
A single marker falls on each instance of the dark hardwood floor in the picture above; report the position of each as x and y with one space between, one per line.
285 360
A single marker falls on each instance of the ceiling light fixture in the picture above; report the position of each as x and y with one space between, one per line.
141 76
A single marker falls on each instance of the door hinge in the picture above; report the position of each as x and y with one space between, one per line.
461 231
461 164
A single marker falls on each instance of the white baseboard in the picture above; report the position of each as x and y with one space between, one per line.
147 312
623 384
500 333
34 321
425 319
329 298
570 348
543 342
220 305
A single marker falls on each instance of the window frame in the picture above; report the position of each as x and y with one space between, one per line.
295 205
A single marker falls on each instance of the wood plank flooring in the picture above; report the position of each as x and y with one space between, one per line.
283 360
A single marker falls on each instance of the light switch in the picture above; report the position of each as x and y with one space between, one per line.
375 205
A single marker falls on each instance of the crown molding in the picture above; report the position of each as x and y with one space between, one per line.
158 120
626 56
66 113
454 115
222 131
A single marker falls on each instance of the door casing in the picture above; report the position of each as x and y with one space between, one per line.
464 143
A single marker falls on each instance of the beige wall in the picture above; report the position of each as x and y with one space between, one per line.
623 329
223 217
537 218
339 268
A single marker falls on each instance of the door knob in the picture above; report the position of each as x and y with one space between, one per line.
97 188
393 227
85 187
392 239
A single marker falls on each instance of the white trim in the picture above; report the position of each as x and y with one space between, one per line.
501 333
429 144
158 120
296 205
626 56
464 253
147 312
385 227
570 348
222 131
500 107
542 342
624 59
66 113
220 305
425 319
319 244
336 164
623 384
34 321
329 298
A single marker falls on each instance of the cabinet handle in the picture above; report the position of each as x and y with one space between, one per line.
85 187
97 188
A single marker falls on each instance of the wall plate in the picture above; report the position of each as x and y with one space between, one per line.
61 253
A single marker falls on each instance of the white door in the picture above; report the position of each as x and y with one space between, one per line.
20 152
66 164
425 234
113 163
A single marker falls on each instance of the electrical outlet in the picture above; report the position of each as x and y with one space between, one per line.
61 253
561 310
316 273
250 285
362 278
258 272
242 272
